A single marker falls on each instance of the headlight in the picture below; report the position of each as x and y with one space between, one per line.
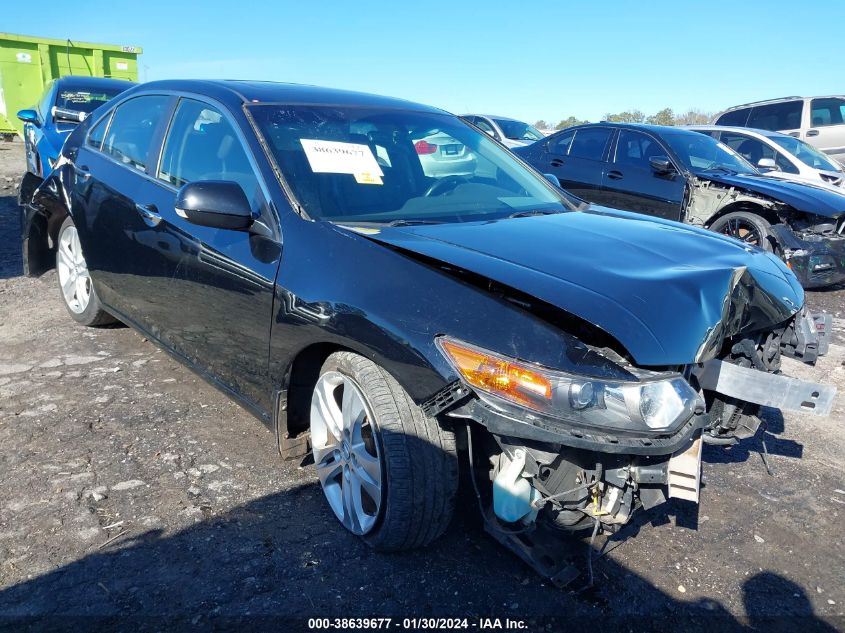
654 403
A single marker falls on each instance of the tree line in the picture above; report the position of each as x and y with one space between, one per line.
664 117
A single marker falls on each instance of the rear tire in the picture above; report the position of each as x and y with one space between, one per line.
75 286
417 457
748 228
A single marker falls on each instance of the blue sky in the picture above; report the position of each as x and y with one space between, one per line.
526 59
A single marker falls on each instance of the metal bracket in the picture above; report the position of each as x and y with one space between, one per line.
770 390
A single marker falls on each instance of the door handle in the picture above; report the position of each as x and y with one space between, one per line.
795 134
556 162
812 132
83 172
149 213
615 175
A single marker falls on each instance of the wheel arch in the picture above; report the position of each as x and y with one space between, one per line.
746 206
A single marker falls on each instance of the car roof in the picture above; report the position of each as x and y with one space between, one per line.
235 92
751 104
739 130
93 82
647 127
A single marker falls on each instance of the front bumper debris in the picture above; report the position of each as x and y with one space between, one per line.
816 260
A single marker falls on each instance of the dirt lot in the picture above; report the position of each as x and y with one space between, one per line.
131 488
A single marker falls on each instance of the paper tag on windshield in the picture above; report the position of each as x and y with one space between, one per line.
333 157
368 179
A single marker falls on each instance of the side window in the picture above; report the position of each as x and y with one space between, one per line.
559 143
590 143
737 118
777 116
635 149
824 112
201 145
484 126
751 149
98 133
131 132
785 164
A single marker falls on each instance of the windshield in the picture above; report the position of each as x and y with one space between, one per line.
807 154
351 164
82 100
518 131
704 153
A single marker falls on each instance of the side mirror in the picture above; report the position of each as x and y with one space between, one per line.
553 179
220 204
661 164
29 116
73 116
767 164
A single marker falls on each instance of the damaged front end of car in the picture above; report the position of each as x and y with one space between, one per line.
562 452
807 229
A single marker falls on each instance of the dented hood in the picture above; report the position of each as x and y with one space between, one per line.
669 293
802 196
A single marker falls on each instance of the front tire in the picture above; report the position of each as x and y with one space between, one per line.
75 286
748 228
388 471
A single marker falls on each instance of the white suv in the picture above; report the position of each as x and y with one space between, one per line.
778 155
818 120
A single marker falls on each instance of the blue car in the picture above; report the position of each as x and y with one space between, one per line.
65 103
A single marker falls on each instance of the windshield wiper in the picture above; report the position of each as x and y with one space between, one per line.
526 214
407 222
727 170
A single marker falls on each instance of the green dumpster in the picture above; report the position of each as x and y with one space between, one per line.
27 63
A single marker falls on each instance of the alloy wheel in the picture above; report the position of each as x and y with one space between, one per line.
744 231
346 451
74 278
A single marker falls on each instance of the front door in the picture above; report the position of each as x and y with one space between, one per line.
631 184
214 305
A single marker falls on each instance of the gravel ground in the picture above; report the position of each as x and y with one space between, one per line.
130 488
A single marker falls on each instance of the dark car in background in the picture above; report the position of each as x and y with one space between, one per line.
64 103
287 244
686 176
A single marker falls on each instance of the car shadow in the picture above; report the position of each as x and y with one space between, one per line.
11 261
280 559
769 434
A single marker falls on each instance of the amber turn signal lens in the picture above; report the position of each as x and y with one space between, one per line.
496 375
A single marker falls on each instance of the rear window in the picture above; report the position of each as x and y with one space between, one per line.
81 99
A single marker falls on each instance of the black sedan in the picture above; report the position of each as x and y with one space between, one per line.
673 173
293 246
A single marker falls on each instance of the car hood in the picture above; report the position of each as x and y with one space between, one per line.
810 198
667 292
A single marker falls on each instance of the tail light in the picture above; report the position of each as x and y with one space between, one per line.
424 147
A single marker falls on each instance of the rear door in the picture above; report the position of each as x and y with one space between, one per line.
110 167
632 184
827 125
577 158
212 303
